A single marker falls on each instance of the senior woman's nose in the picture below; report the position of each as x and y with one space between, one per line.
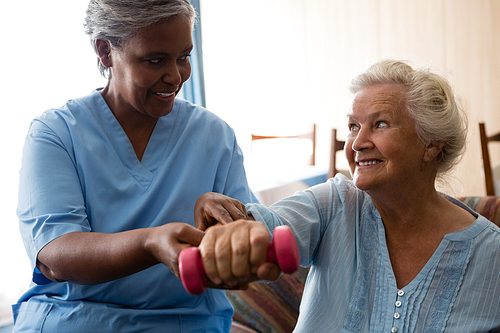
362 140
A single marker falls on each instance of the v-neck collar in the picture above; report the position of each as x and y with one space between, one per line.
142 171
458 236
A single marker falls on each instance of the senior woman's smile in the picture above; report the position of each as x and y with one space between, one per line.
367 163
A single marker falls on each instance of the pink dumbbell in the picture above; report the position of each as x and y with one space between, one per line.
283 250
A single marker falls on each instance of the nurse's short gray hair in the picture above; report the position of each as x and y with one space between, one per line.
117 21
430 101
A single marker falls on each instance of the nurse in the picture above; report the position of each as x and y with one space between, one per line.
108 181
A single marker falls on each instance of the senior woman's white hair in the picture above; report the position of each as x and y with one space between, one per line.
430 101
119 20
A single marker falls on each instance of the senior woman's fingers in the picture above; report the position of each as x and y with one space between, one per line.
268 271
232 253
259 240
216 252
240 253
226 251
208 254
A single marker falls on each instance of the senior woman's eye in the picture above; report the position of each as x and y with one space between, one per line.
381 124
353 127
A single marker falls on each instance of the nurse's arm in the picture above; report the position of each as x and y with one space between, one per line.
92 258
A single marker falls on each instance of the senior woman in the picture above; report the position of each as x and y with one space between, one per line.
106 180
388 253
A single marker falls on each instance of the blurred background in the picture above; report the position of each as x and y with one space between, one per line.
270 67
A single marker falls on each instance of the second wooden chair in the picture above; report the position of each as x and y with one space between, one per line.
336 145
488 170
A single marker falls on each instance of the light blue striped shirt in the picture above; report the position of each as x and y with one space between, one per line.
351 286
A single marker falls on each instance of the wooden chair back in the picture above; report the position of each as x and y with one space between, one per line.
310 135
488 171
336 145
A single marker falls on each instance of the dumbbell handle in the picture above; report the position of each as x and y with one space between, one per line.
283 251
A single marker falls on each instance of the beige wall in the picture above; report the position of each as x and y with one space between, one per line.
286 63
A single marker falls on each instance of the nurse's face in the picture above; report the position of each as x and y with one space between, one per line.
148 71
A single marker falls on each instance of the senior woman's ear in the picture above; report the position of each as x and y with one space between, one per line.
104 52
433 150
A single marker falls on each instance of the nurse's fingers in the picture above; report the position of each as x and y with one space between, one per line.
211 208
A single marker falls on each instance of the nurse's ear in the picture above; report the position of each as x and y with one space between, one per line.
433 150
104 52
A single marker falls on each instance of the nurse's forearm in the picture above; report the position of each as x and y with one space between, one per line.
92 258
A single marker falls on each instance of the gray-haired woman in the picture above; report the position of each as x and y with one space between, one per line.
388 253
109 182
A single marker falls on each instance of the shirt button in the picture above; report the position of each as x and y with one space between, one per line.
401 292
398 304
396 315
394 329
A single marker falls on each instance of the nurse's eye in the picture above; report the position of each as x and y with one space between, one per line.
156 61
185 57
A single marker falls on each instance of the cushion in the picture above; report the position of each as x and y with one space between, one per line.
239 328
269 307
486 206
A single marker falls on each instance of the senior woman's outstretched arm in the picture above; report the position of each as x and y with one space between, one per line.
235 254
92 257
234 250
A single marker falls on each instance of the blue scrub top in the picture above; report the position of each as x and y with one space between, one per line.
80 173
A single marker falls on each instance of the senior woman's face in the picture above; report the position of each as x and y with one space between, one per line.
382 147
149 70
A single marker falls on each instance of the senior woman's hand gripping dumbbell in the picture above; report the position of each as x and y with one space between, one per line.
283 250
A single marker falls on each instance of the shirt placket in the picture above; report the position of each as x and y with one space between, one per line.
398 308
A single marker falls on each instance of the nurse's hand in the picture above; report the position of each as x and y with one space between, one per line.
234 255
212 208
167 242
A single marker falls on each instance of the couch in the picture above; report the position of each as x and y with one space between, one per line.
274 307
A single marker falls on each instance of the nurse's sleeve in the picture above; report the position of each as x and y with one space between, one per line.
51 202
236 184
